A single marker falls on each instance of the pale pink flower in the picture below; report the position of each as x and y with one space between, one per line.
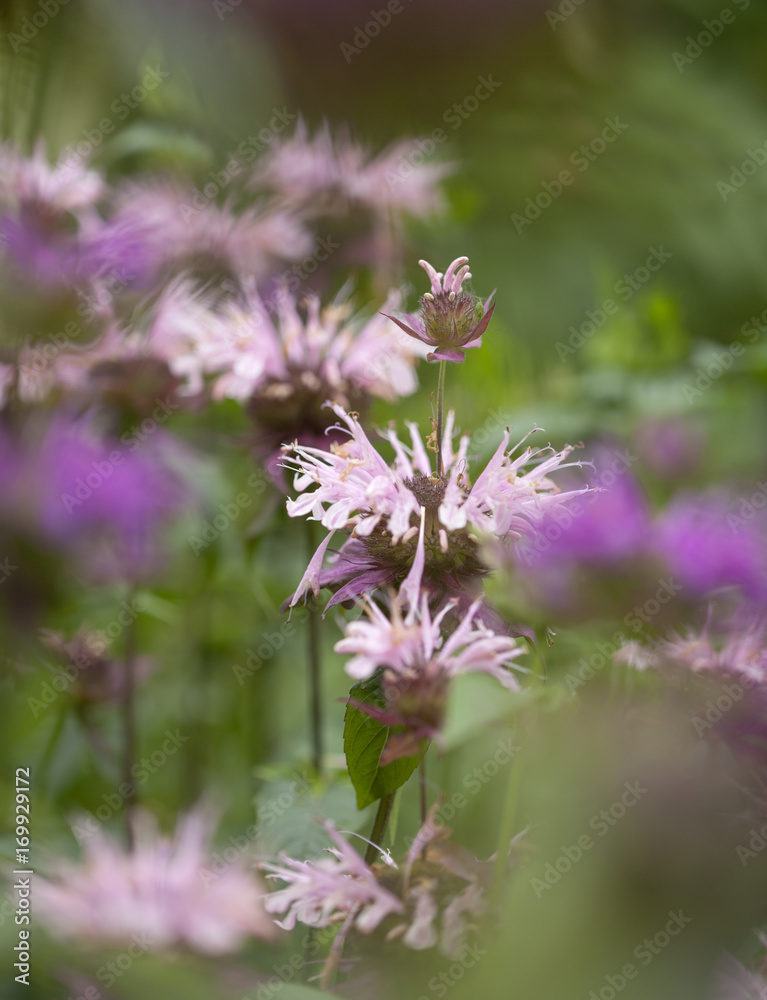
66 186
155 892
352 487
7 379
211 241
329 174
334 886
330 352
415 645
741 652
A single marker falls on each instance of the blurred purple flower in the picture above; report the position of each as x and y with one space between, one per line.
610 523
42 208
670 447
701 548
80 489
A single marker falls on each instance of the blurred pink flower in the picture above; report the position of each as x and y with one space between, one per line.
155 892
330 888
741 652
67 186
327 174
173 234
328 353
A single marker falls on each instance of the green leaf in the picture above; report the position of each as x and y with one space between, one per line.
364 741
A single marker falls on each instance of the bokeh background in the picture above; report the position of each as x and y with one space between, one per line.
664 136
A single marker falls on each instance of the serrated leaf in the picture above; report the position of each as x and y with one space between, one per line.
364 741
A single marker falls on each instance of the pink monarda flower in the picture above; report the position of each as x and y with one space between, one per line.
325 891
736 982
445 889
352 488
418 663
67 186
414 645
301 358
43 210
173 233
284 364
728 666
156 892
451 320
327 175
741 653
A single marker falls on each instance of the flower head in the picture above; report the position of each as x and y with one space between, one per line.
417 662
43 209
451 320
352 487
158 890
173 233
335 885
284 364
325 173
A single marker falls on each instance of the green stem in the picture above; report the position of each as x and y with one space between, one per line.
422 784
314 659
379 827
56 731
507 828
129 727
440 416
